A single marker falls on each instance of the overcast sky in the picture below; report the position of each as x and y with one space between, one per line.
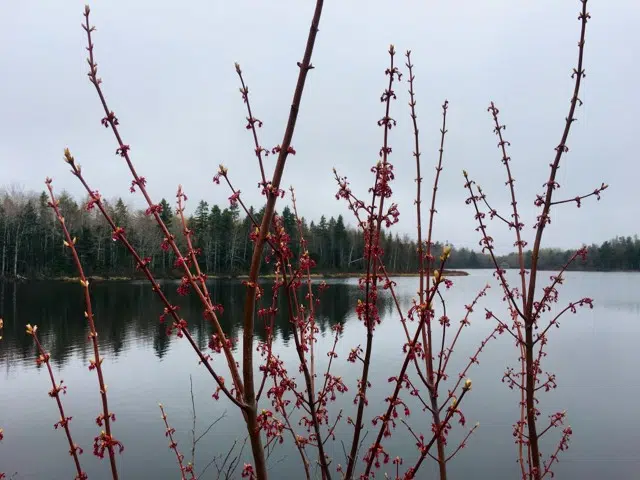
168 73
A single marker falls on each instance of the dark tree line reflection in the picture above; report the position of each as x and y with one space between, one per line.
127 316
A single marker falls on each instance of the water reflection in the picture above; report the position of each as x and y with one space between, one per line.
129 313
594 355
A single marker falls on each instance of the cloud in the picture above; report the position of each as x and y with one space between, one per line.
168 73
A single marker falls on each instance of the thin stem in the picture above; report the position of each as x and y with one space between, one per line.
193 424
105 440
326 473
425 450
251 125
44 357
374 226
256 260
487 244
596 193
463 443
463 323
143 264
516 223
426 335
398 384
111 120
173 445
543 219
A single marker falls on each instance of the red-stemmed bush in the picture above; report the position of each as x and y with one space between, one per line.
281 402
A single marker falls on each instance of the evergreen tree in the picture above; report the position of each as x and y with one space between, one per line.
31 242
166 214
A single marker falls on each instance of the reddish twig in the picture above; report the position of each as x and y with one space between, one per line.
251 125
369 313
465 322
563 445
526 318
427 333
596 193
424 449
110 120
173 445
57 388
179 324
463 443
272 192
543 219
105 440
516 223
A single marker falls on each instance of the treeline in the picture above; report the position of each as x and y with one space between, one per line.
31 243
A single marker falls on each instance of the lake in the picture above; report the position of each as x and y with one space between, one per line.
594 354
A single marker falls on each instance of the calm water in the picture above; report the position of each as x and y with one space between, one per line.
594 355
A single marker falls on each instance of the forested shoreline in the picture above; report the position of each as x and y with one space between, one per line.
31 243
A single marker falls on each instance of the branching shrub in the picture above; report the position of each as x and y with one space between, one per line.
296 402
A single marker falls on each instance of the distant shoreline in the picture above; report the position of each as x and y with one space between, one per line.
447 273
315 276
119 278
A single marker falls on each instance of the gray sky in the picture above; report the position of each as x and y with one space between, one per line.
168 74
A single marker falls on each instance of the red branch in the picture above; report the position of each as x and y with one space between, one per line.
57 388
105 440
173 445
